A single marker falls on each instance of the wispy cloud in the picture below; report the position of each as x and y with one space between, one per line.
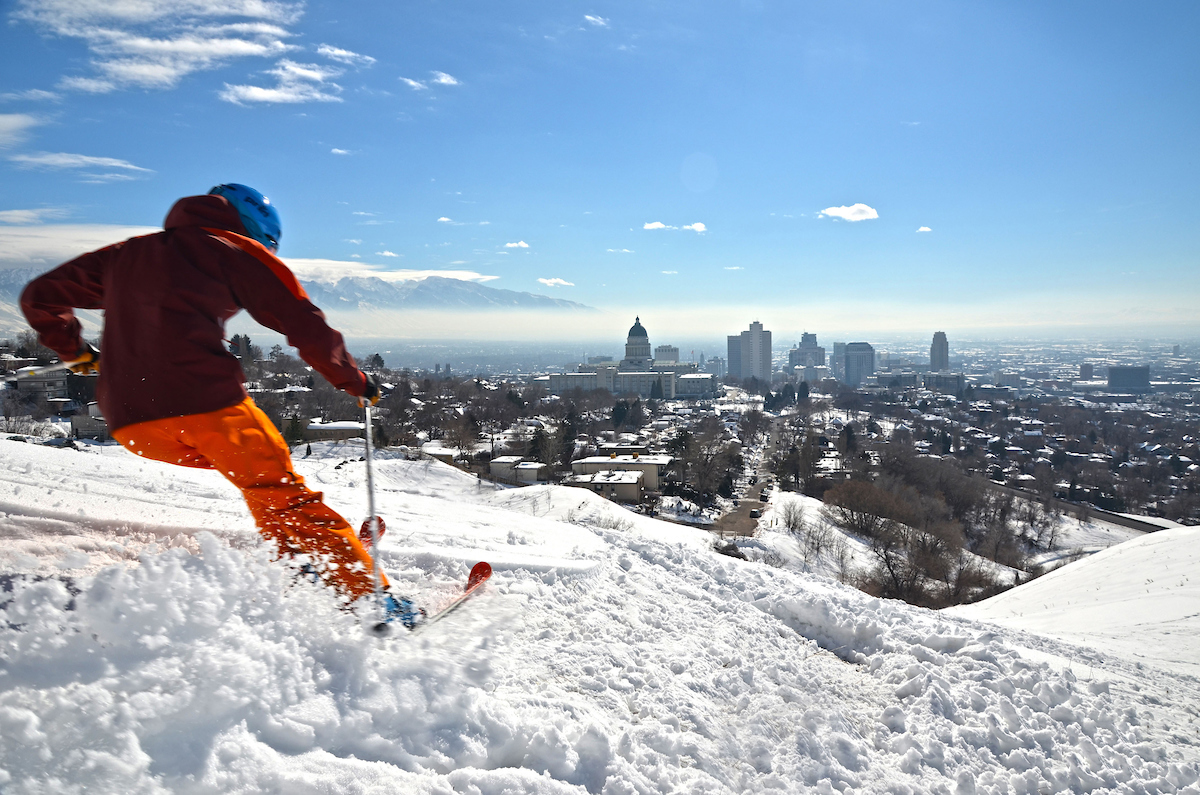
445 220
656 225
697 227
855 212
363 212
386 253
518 244
65 160
32 94
156 43
344 56
294 83
599 22
619 251
14 128
415 85
735 268
670 273
924 229
353 241
443 79
556 282
336 151
30 216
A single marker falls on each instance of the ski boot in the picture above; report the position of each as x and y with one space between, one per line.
399 610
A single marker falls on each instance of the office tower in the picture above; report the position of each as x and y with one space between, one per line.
839 361
1129 378
860 363
750 353
939 353
1086 372
666 354
807 354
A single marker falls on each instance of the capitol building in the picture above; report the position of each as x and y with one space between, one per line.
651 374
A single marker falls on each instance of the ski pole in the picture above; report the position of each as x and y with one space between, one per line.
374 520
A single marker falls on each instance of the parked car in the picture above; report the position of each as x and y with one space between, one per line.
755 514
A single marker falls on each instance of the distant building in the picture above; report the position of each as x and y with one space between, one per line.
665 354
1129 378
601 360
750 353
945 382
839 361
859 363
1086 372
807 353
637 348
717 366
1008 379
939 352
616 485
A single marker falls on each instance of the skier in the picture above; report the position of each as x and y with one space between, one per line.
169 388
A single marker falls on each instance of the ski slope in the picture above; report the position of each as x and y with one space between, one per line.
611 653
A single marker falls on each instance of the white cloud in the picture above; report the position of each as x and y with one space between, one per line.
619 251
344 56
924 229
415 85
556 282
353 241
445 220
29 216
156 43
697 227
294 83
356 256
51 244
670 273
735 268
656 225
360 212
855 212
336 151
386 253
599 22
34 94
518 244
13 127
327 270
66 160
443 79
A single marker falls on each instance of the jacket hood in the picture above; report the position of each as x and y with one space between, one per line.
214 212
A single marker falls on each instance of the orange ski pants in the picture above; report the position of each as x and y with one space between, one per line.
243 444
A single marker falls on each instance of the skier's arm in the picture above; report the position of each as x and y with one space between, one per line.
49 300
270 292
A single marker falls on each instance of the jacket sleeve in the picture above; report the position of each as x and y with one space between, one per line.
270 292
49 300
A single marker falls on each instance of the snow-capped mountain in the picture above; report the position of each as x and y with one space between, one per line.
351 294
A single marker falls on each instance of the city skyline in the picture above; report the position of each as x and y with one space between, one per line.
1004 168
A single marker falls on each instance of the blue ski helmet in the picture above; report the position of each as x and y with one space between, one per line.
258 214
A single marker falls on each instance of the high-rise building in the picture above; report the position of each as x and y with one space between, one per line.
716 365
860 363
750 353
839 361
939 353
1086 372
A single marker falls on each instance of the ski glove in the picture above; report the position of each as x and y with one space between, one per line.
370 391
86 362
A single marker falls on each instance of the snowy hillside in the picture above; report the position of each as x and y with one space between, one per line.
611 653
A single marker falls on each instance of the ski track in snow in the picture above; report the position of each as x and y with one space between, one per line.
610 653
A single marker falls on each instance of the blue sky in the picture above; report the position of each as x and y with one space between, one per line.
704 164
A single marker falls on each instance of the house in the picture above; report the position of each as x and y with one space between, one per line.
652 466
318 431
616 485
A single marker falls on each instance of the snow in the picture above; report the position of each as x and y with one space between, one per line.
611 653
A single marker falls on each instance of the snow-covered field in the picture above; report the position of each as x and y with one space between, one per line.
611 653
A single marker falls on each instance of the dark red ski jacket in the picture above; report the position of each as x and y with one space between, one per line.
166 298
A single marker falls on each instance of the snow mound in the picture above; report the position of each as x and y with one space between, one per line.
1136 600
611 654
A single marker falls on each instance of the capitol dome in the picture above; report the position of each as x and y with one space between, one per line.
636 330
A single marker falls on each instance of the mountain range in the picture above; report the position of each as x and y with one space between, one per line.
359 293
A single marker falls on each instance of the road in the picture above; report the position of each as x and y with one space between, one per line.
738 522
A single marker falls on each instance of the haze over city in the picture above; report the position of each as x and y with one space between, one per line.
1003 168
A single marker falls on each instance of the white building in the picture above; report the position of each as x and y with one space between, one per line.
653 466
617 485
750 353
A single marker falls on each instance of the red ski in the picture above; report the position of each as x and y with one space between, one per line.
479 575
